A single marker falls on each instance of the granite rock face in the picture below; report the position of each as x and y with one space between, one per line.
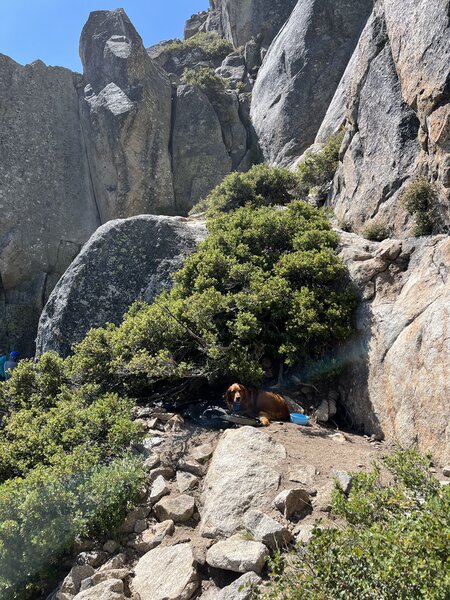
241 20
397 384
403 59
126 118
124 260
200 157
47 201
301 72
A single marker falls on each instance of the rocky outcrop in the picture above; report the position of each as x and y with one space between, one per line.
241 20
301 72
47 201
403 58
200 157
397 382
124 260
126 117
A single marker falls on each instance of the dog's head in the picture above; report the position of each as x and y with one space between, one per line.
235 395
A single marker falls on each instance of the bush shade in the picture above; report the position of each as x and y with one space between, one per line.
209 43
265 283
260 186
395 544
419 199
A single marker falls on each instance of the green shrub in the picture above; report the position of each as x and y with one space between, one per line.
206 79
376 232
266 282
42 514
210 44
260 186
419 199
317 169
395 545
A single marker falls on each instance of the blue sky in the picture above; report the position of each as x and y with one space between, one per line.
50 29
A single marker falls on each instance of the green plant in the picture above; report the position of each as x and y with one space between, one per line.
345 225
43 513
260 186
266 282
419 199
210 44
395 544
206 79
376 232
316 170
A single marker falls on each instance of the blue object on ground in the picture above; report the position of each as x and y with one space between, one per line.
299 419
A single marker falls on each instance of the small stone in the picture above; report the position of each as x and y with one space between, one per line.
153 537
174 424
191 466
112 589
71 584
323 500
116 562
292 502
186 481
237 554
166 472
344 481
138 514
151 462
104 576
159 489
154 424
322 413
446 471
338 437
92 558
178 509
110 546
303 533
202 453
241 589
266 530
140 526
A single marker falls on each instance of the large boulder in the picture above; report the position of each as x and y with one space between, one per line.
397 383
168 573
126 118
123 261
244 474
301 72
47 202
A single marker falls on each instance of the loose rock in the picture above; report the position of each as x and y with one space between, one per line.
241 589
186 481
106 590
292 502
266 530
178 509
237 554
166 574
159 489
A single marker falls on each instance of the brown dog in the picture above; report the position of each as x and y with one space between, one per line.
268 406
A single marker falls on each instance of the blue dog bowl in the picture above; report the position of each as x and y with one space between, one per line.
299 419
